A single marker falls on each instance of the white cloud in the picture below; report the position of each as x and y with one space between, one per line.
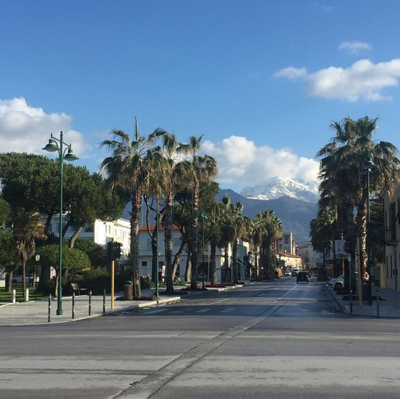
27 129
362 80
354 47
241 163
291 73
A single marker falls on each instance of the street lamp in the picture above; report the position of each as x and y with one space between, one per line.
157 222
367 169
57 145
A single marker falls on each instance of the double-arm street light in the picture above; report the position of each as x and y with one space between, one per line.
68 154
367 169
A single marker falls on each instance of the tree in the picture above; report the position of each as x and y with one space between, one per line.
196 169
129 169
27 227
8 257
5 211
73 260
342 173
97 253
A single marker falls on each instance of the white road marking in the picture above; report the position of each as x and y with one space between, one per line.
156 311
227 310
204 310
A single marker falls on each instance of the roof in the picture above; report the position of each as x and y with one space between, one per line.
288 255
162 228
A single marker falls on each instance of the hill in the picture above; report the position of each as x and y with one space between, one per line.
294 214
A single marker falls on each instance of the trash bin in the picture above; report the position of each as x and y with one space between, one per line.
128 290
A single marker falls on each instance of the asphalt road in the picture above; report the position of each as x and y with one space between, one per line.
270 340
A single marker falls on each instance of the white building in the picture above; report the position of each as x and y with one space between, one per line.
100 232
146 255
286 244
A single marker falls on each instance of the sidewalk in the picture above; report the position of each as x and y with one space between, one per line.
389 304
36 312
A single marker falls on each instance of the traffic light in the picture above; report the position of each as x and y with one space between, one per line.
116 250
349 247
113 250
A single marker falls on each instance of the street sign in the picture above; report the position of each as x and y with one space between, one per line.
340 249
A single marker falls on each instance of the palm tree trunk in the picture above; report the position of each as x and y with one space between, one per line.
234 261
23 261
74 237
188 271
135 231
8 281
169 243
177 258
194 241
213 265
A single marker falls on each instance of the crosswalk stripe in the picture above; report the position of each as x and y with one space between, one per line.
156 311
203 310
227 310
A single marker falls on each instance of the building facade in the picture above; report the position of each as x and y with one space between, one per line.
388 274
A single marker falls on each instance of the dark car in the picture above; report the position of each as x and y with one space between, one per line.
303 276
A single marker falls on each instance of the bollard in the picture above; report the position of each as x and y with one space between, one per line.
14 296
90 302
49 310
104 300
73 305
377 303
27 295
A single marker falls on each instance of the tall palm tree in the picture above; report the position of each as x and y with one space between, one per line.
27 228
341 172
196 169
130 168
171 183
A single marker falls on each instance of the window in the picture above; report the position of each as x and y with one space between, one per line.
89 229
144 263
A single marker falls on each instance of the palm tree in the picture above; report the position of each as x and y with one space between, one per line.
196 169
341 172
27 228
171 182
274 231
258 232
130 168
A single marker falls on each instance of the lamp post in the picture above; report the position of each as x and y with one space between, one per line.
57 145
157 221
367 168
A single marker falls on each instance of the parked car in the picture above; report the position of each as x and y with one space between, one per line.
302 276
294 272
28 279
337 283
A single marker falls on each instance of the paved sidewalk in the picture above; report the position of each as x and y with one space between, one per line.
36 312
389 304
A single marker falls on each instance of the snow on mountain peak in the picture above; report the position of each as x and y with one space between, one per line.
282 186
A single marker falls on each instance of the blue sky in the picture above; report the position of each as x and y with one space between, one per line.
261 80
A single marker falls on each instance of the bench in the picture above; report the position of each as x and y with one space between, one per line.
77 290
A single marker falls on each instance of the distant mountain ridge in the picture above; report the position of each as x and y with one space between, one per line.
294 214
282 186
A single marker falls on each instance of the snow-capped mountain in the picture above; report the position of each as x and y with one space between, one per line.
282 186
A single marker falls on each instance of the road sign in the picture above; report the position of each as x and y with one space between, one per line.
340 249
